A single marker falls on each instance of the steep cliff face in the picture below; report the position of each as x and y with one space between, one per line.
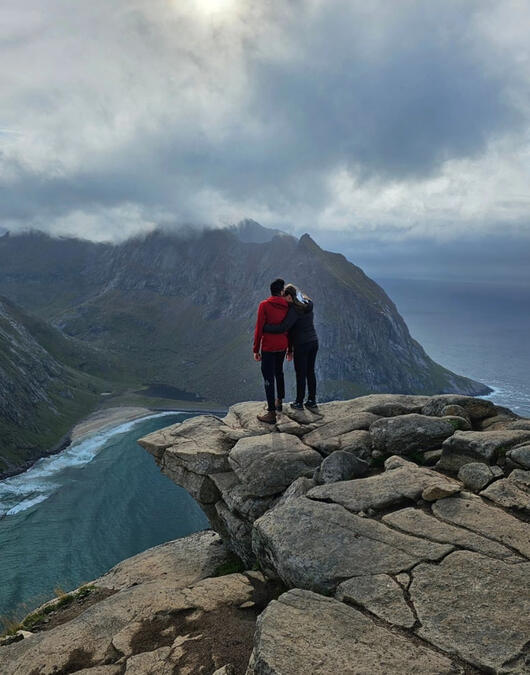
42 393
181 310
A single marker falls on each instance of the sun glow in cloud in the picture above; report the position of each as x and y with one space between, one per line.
209 8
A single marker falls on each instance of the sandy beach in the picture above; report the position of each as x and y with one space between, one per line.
108 417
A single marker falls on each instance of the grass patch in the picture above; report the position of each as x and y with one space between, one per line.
36 618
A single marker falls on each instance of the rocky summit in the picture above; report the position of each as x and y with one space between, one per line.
384 534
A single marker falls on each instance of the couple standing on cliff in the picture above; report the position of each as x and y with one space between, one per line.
284 328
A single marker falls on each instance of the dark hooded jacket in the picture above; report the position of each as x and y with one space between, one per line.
299 324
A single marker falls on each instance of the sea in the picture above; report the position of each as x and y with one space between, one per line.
481 330
74 515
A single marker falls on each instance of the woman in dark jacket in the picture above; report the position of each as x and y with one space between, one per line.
303 343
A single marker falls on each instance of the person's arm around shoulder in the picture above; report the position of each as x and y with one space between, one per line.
285 325
258 331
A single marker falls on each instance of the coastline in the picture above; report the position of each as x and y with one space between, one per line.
98 420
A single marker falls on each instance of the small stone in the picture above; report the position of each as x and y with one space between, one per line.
477 475
520 455
24 633
435 492
340 465
432 456
454 410
512 492
247 605
403 579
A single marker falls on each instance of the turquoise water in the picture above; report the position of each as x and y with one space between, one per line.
74 515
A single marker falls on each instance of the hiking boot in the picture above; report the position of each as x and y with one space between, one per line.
311 404
297 406
278 404
269 417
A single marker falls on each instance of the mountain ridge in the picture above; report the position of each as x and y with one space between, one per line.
177 310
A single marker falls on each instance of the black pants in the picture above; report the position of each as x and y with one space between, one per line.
272 369
304 365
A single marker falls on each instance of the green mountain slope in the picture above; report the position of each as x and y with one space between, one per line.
43 389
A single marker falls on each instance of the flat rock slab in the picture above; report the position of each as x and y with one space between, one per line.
325 437
411 433
244 416
483 446
475 607
269 463
379 594
383 405
303 633
474 514
200 444
402 481
315 545
476 408
416 522
512 492
184 561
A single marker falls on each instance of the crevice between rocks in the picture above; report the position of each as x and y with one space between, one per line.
481 534
409 634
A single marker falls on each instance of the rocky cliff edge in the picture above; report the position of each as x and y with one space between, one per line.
386 534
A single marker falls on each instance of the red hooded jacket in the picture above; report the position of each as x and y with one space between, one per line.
272 310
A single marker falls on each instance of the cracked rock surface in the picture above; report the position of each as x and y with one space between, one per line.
303 632
411 557
391 566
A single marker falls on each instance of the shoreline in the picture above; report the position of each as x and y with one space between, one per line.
98 420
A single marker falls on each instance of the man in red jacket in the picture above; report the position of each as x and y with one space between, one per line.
270 348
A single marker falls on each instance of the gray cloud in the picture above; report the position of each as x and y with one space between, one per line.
385 119
491 259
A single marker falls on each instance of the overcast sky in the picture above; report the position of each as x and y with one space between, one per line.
397 131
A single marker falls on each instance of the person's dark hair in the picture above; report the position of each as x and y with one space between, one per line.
295 294
277 286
